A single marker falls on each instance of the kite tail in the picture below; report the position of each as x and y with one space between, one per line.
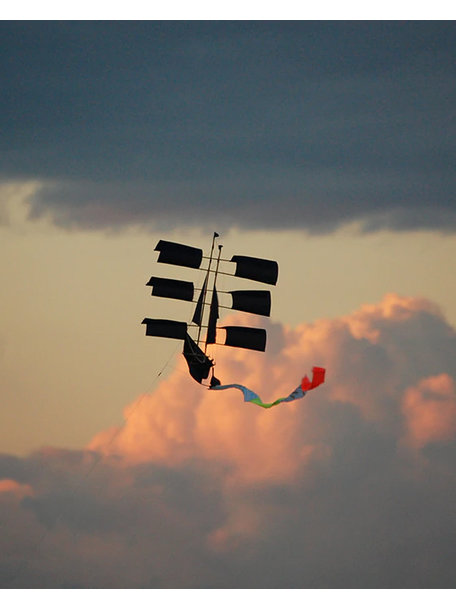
318 377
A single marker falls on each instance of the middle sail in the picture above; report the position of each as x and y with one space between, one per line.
255 302
171 288
213 316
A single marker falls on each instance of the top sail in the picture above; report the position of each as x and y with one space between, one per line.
179 255
256 269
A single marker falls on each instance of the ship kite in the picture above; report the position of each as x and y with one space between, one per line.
203 330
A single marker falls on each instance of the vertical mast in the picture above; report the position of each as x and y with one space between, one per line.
217 266
205 285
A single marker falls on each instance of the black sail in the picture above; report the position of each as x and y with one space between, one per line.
255 302
256 269
162 328
199 365
179 255
198 314
253 338
171 288
213 316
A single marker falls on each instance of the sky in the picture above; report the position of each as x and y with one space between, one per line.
327 146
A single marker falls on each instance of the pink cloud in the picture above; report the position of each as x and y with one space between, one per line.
12 487
368 365
430 410
198 488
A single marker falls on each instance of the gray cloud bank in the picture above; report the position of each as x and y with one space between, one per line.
255 124
367 521
351 487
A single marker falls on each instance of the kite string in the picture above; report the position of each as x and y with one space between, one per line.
98 457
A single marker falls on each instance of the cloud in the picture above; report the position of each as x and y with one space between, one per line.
430 410
247 124
14 488
349 487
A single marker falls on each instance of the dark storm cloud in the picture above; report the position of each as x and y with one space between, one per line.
263 124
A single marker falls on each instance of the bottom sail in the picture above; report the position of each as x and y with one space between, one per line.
318 377
253 338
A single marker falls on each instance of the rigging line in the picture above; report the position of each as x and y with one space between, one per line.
209 290
205 257
220 305
219 272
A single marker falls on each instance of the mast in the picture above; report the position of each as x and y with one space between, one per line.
218 262
204 290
